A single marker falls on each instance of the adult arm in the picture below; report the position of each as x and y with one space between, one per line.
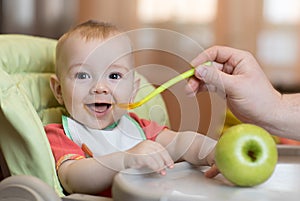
250 95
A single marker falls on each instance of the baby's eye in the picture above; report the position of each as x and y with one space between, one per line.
82 75
115 76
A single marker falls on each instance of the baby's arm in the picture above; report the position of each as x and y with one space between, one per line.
90 175
93 175
189 146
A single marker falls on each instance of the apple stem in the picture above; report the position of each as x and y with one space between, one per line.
252 155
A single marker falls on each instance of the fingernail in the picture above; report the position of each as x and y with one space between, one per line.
208 63
202 71
191 94
189 91
163 172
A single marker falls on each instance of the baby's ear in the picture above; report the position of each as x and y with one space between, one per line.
56 89
136 87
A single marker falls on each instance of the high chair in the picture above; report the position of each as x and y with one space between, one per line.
27 104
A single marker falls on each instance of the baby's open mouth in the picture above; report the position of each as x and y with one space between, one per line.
99 107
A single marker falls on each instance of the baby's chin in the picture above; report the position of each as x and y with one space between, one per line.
101 124
97 125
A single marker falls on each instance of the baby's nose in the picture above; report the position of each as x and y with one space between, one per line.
99 88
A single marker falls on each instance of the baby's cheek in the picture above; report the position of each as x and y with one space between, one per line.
124 92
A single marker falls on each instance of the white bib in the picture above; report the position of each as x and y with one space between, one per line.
124 136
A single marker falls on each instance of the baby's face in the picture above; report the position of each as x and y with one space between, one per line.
94 79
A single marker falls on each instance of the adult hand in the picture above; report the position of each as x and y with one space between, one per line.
250 95
212 171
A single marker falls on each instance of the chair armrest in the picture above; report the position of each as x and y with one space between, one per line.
26 188
83 197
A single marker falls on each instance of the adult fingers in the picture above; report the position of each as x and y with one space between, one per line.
220 54
212 172
212 75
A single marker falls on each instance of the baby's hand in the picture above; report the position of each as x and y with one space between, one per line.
148 154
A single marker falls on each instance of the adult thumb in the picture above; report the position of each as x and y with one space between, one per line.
211 75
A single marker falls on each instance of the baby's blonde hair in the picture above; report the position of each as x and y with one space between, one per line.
89 30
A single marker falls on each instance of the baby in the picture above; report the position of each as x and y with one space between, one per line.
94 73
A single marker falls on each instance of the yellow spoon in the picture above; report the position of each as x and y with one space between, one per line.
160 89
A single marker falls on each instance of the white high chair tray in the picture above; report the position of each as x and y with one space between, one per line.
186 182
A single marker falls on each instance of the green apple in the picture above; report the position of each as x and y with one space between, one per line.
246 155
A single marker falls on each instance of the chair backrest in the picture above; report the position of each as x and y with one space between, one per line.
27 104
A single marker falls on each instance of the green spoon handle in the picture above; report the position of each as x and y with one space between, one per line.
161 88
168 84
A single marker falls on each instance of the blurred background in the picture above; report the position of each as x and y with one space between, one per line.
269 29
